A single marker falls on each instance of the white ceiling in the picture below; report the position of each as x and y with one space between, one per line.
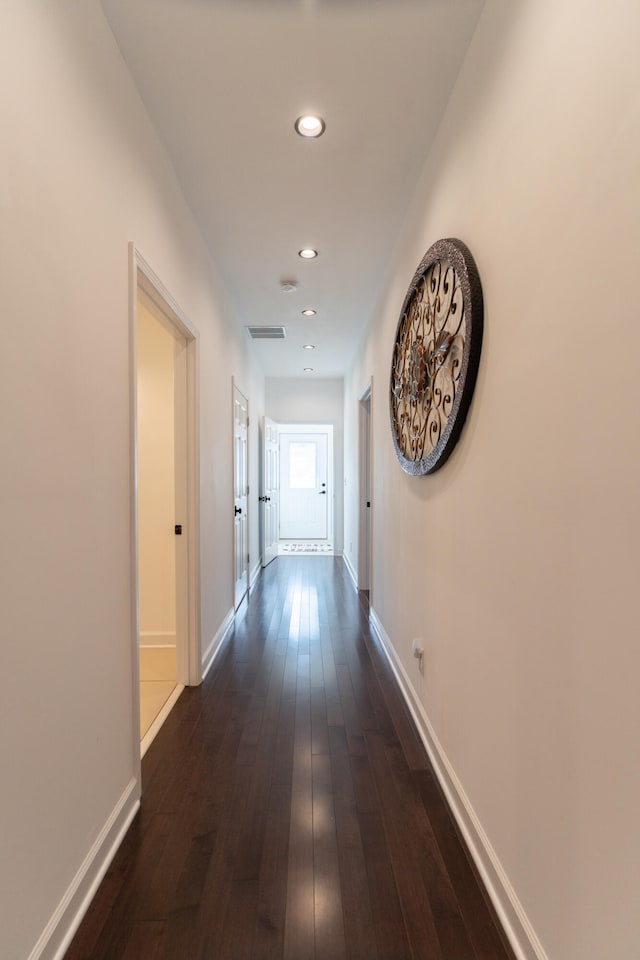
223 82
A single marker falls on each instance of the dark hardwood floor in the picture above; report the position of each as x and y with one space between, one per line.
289 809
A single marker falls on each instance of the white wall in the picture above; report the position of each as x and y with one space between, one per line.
296 400
81 174
517 563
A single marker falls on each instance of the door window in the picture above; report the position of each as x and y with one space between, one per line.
302 465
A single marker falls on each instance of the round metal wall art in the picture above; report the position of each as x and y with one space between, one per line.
435 357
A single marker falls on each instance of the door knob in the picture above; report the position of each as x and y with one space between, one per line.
238 510
321 491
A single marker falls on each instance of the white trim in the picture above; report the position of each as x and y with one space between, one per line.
255 573
156 290
350 571
510 911
157 638
59 931
154 729
214 647
134 551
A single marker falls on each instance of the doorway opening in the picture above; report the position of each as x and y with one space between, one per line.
165 523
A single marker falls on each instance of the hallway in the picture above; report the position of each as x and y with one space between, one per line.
289 809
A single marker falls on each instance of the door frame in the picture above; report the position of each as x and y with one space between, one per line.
188 657
365 485
327 428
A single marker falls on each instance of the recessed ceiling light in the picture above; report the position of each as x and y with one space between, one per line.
308 313
308 370
310 127
309 346
307 254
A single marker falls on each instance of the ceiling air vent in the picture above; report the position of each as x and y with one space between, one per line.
267 333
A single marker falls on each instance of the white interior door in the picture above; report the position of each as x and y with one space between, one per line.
240 481
304 493
270 496
364 539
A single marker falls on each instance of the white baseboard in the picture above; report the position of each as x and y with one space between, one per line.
255 573
511 914
352 573
157 638
59 932
212 650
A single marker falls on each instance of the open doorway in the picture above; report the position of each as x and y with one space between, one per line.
165 502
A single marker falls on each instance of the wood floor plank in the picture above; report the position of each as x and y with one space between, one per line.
388 921
406 860
145 941
319 725
289 810
118 929
335 716
248 854
299 939
216 890
437 883
269 923
358 918
327 894
482 925
237 930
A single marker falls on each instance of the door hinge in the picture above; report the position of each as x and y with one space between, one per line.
248 559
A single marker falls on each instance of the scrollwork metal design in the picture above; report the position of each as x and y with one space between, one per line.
435 357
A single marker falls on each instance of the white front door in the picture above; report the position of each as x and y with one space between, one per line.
240 479
304 493
269 498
